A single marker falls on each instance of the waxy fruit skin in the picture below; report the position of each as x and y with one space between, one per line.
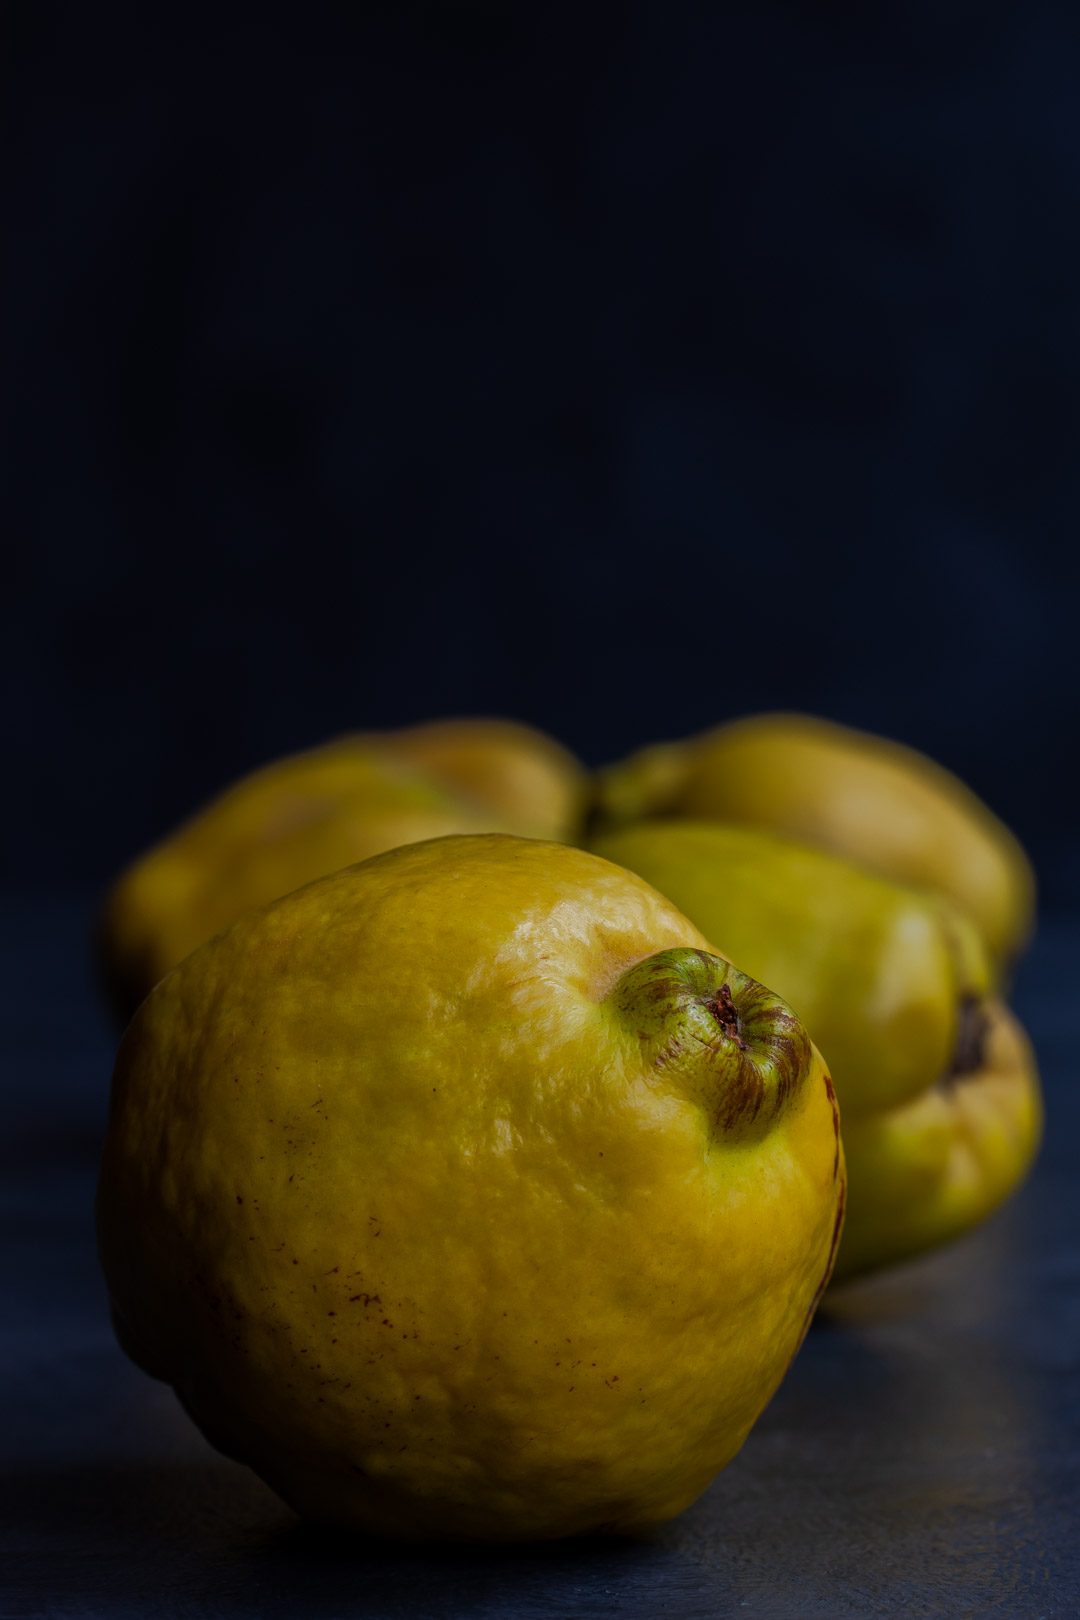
874 801
301 817
467 1193
937 1082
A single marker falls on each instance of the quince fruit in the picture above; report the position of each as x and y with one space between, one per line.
466 1193
314 812
872 800
936 1079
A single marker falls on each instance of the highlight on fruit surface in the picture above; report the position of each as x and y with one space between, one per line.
875 801
468 1192
936 1080
329 807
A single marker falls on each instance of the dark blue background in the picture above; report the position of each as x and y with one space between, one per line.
622 368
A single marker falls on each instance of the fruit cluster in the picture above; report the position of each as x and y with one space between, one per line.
475 1163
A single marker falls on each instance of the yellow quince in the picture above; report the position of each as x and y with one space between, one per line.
314 812
936 1079
466 1192
878 803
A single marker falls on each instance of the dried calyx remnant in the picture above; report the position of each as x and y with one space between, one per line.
724 1011
735 1043
972 1031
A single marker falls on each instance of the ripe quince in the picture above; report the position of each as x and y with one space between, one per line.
936 1079
872 800
467 1193
320 810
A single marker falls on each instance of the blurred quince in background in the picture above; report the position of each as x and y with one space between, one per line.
317 811
873 800
486 1201
937 1083
856 878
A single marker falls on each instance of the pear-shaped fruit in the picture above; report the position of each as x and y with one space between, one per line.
874 801
314 812
936 1080
465 1192
511 771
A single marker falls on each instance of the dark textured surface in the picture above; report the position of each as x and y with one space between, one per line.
922 1458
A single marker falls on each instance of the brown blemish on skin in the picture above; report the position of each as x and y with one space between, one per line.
830 1092
834 1244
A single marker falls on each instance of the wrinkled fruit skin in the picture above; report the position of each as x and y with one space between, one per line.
874 801
936 1080
465 1193
314 812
